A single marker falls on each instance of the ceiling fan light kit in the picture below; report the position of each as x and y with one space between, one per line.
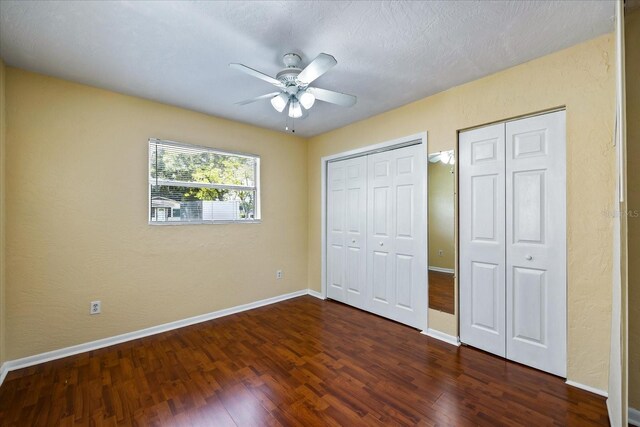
306 99
293 84
295 110
280 101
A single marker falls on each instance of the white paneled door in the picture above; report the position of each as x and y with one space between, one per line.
346 231
536 242
376 233
482 238
513 240
396 235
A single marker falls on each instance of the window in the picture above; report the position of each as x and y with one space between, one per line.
200 185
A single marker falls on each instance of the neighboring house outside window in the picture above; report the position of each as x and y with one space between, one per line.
164 209
201 185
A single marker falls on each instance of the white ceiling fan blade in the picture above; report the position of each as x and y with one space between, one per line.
256 73
333 97
316 68
258 98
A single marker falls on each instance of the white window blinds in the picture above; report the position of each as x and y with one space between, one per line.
192 184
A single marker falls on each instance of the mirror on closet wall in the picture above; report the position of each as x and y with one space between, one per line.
441 194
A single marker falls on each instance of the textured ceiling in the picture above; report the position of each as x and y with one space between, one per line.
388 53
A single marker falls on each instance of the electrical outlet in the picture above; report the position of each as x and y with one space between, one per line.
440 252
279 274
95 308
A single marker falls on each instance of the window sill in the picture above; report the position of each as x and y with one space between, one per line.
170 223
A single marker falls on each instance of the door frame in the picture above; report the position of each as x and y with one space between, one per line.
362 151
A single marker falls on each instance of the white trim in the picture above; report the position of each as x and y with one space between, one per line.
205 222
316 294
12 365
422 137
587 388
612 421
449 339
323 227
178 144
442 269
4 370
634 417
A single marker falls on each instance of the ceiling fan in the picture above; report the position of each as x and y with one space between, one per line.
446 157
293 85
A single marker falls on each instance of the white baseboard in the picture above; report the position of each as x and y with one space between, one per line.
3 372
634 417
442 270
12 365
449 339
588 388
316 294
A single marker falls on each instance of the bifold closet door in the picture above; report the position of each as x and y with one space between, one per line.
396 243
482 238
536 242
346 231
513 240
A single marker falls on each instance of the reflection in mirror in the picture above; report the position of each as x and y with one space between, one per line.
441 195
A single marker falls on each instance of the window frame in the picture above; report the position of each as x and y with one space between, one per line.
151 182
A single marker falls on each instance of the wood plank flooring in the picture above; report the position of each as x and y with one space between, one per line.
441 292
301 362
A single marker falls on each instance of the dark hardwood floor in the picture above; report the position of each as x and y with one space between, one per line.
441 293
301 362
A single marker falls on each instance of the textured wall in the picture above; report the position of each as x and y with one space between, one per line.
632 52
441 215
77 218
580 78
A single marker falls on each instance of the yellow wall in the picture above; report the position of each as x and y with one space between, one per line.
582 79
441 195
77 208
632 35
2 216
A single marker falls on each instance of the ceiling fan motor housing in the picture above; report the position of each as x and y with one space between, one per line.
289 75
291 60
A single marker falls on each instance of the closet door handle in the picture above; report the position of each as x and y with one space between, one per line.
528 257
381 244
353 240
